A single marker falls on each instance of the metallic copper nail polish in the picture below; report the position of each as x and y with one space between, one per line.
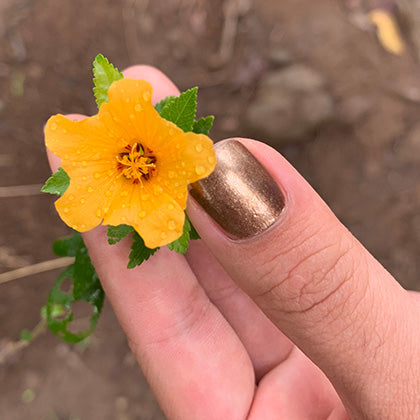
240 195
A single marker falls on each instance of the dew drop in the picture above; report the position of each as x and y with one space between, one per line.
108 193
146 96
97 175
78 187
123 205
132 116
170 207
171 174
157 189
171 225
74 164
123 218
83 178
138 108
84 164
66 156
83 226
65 210
78 152
53 126
145 197
171 131
90 189
199 147
211 159
142 214
98 213
71 197
82 200
180 196
106 209
123 193
163 235
199 170
183 164
127 100
64 131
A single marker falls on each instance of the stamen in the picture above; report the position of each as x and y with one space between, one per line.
136 164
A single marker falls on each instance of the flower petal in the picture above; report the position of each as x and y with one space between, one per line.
191 159
158 219
85 140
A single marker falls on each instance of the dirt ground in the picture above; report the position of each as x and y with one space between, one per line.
364 161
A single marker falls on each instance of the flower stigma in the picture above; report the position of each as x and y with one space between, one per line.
136 163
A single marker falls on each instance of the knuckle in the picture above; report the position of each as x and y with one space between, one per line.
308 276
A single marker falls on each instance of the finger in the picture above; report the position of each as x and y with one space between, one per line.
265 344
278 240
180 339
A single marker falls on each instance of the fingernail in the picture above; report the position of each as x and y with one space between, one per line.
240 194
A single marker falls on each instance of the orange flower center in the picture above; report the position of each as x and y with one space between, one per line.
136 163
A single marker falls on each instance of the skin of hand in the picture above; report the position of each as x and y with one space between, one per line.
297 322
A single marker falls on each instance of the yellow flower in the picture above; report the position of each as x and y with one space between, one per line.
128 165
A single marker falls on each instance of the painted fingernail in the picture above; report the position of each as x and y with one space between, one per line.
240 194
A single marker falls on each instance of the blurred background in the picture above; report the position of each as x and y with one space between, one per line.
334 87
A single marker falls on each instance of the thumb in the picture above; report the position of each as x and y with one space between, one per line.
281 243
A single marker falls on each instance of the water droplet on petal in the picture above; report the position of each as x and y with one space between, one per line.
127 100
142 214
146 96
211 159
90 189
138 107
145 197
97 175
171 174
108 193
64 131
180 196
65 210
53 126
157 189
98 213
170 207
66 156
171 225
83 178
83 226
78 187
84 164
171 131
78 152
163 235
123 218
199 147
74 164
82 200
71 197
199 170
132 116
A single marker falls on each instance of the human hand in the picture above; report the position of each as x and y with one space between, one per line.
297 321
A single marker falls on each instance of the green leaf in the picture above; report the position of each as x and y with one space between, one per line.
139 251
203 125
86 281
116 233
104 74
181 110
68 246
160 105
193 233
181 244
57 183
59 307
188 233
